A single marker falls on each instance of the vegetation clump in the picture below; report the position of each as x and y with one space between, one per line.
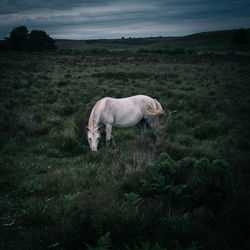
20 39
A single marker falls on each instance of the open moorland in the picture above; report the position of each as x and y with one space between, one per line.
189 192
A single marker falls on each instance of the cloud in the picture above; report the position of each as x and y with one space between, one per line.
114 18
13 6
79 14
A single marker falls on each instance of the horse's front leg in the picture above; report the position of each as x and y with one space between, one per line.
108 134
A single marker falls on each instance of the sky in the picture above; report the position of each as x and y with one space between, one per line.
103 19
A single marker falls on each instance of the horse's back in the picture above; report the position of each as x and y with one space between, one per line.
137 98
124 112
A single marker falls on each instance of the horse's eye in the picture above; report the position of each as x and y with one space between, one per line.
89 139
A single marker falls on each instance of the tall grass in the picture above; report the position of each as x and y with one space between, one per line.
190 191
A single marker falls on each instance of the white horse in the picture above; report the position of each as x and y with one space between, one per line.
123 113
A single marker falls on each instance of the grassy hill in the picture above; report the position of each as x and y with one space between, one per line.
189 192
216 41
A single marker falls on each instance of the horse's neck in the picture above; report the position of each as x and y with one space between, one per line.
94 116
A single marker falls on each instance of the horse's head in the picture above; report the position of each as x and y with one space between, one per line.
94 137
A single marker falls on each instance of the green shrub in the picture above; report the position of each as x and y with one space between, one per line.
104 243
210 184
192 182
188 163
133 199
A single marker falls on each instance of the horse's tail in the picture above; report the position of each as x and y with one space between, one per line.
158 111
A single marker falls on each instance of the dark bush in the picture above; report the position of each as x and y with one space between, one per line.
18 38
193 192
240 37
210 184
21 39
40 40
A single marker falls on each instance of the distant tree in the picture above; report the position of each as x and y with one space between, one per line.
21 39
18 38
40 40
240 37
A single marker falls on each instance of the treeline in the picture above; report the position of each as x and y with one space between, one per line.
23 40
240 37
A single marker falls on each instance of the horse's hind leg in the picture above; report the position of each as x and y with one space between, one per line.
143 127
152 121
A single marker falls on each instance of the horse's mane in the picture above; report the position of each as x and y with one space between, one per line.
92 121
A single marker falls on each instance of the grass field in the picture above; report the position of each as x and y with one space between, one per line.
189 192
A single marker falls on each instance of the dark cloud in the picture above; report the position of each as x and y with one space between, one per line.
113 18
12 6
